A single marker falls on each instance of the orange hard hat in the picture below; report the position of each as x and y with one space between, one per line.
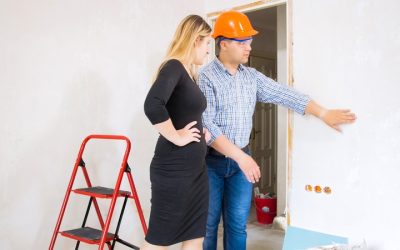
233 24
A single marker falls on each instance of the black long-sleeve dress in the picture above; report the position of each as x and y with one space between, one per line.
179 182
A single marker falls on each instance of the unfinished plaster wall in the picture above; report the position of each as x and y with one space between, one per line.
346 55
69 69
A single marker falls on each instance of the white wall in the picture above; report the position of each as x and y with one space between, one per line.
69 69
346 54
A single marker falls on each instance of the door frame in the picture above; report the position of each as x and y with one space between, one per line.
259 5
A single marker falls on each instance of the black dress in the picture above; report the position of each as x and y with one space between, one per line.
179 181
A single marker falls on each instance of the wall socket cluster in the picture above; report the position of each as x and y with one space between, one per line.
318 189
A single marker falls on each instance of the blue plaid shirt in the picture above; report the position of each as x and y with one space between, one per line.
231 100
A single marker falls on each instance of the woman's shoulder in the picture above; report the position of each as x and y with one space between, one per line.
172 67
173 64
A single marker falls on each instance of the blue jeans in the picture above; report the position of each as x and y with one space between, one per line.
230 194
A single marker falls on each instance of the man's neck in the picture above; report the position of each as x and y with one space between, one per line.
231 67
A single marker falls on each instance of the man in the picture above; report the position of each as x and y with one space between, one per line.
232 90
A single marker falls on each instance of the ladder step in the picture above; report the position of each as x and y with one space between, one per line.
87 234
100 192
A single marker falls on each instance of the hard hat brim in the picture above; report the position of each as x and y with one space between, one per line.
243 34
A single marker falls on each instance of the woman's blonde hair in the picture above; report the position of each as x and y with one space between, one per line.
182 45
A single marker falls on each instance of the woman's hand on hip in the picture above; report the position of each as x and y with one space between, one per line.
188 134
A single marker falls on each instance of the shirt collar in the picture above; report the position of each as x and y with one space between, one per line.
219 64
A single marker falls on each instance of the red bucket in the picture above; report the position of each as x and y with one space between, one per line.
266 215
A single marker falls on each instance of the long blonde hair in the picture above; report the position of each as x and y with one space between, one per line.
182 44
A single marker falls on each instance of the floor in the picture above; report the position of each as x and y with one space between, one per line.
259 236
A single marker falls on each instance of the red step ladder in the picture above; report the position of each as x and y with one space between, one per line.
90 235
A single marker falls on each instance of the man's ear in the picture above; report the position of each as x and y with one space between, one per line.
222 45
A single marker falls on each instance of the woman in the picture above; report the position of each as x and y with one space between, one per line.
174 105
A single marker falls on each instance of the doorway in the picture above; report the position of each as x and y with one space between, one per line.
268 138
263 57
269 135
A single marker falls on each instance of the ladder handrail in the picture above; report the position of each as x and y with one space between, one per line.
105 137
